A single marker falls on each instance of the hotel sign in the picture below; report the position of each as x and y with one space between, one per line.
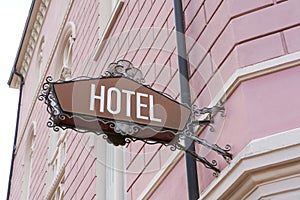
117 106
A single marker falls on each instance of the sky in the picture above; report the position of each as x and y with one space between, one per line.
13 17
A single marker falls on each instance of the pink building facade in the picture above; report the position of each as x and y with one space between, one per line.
245 54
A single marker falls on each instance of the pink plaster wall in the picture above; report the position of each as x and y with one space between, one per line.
174 186
39 160
80 163
222 36
259 107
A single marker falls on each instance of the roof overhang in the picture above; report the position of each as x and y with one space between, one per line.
13 80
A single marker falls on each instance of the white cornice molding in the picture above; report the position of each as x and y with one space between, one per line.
262 161
33 36
254 71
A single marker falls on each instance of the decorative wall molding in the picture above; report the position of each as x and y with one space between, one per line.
61 139
57 179
55 45
34 35
263 163
107 30
254 71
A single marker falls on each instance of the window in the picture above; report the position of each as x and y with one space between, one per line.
57 153
65 52
59 193
40 58
29 147
57 140
115 172
114 187
38 70
62 72
56 165
63 9
109 11
106 10
110 171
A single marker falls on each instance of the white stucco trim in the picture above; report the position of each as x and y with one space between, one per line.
44 73
30 40
106 32
239 76
100 149
55 183
254 71
263 163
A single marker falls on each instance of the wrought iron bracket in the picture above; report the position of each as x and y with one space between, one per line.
210 112
207 114
209 165
224 152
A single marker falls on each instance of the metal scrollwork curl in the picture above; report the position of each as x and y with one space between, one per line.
126 69
125 128
47 95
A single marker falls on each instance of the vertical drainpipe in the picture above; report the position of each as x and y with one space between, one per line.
191 168
16 133
15 72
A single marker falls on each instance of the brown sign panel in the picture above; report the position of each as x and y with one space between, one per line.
119 99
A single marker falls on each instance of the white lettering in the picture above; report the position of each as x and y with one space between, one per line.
151 110
114 96
118 100
128 101
93 97
140 105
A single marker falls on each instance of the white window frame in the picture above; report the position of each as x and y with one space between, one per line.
113 157
107 19
115 172
29 148
57 140
64 63
110 171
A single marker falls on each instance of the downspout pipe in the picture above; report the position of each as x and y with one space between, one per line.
15 72
191 168
16 133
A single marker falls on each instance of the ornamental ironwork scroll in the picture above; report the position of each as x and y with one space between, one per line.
123 109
